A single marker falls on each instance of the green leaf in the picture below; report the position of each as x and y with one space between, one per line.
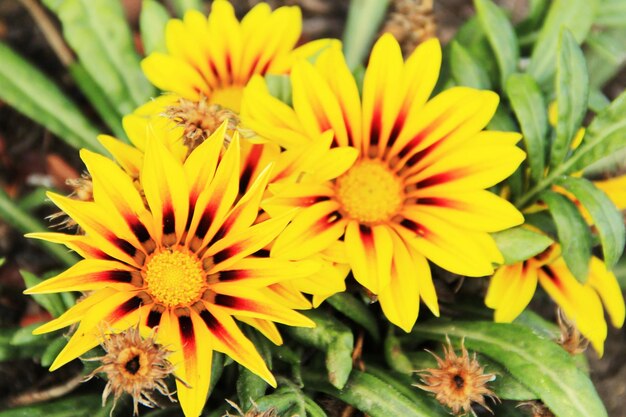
395 356
78 406
606 218
572 92
531 112
575 15
250 388
99 34
34 95
279 86
520 243
375 397
502 120
573 233
611 13
52 351
353 308
466 70
24 336
501 36
152 21
606 55
51 302
605 135
364 20
98 99
332 337
540 364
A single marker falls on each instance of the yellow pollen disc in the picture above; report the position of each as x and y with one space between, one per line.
369 192
174 278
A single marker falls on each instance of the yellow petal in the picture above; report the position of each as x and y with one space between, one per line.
607 287
370 251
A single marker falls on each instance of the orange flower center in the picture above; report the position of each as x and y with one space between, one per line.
369 192
174 278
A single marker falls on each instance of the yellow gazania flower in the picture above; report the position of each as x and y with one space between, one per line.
412 190
215 58
512 287
187 258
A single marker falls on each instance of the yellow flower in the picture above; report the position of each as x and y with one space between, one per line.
184 257
400 179
513 286
215 58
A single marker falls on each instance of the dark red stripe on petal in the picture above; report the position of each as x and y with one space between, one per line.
187 335
192 206
440 202
414 227
226 276
249 165
376 126
211 322
225 254
113 276
395 131
169 221
440 178
228 301
253 65
553 277
125 246
138 229
265 67
154 318
124 309
205 221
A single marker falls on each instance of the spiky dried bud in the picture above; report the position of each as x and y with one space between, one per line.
133 365
200 119
82 189
458 381
570 339
411 22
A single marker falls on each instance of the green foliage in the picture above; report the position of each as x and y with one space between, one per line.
465 68
530 109
572 91
75 406
575 15
32 93
519 243
573 233
364 19
348 305
543 367
501 36
152 22
98 33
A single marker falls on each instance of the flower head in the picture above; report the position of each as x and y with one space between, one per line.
399 179
184 256
458 381
135 366
513 286
216 57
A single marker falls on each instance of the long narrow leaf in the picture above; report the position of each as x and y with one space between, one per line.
519 243
501 36
606 218
573 233
531 112
152 21
540 364
33 94
465 70
572 92
605 135
364 19
575 15
99 34
374 396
